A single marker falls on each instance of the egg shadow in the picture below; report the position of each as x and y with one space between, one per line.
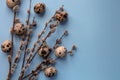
53 78
41 14
65 22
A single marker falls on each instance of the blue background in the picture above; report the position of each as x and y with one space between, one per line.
93 25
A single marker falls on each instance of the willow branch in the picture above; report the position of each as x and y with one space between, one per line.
38 68
28 37
11 53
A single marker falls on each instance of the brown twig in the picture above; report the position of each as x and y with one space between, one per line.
14 65
40 67
28 37
12 35
44 39
11 53
53 26
52 30
40 35
32 56
58 41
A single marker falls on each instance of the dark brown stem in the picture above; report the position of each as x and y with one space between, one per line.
28 39
27 75
32 74
39 47
38 69
57 23
57 42
12 36
29 13
11 53
9 73
30 78
32 56
14 65
39 36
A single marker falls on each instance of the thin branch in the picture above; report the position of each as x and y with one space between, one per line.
28 39
58 41
48 35
39 65
32 56
14 65
11 53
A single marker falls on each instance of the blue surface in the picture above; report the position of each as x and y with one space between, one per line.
93 25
